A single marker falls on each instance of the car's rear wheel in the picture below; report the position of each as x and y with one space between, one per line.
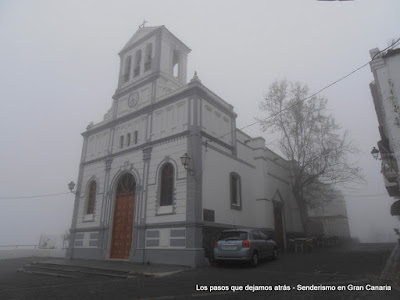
254 259
275 254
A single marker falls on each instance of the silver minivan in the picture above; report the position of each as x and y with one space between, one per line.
249 245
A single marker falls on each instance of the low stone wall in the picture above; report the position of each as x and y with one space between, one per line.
17 253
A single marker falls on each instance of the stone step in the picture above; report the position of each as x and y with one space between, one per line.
52 273
62 270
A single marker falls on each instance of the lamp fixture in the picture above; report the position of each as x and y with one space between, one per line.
185 159
71 187
375 153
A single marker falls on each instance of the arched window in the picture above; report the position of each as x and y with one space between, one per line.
138 62
147 62
91 198
236 191
167 185
127 71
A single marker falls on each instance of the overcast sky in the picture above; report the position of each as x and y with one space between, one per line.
59 69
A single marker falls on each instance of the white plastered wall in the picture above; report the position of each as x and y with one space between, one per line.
216 189
97 145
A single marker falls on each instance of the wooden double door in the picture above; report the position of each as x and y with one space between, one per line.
122 230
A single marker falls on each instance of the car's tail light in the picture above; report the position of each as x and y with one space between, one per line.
216 244
246 244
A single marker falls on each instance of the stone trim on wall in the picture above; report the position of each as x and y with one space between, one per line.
90 217
136 84
178 256
142 147
159 166
216 140
231 156
271 160
186 92
87 229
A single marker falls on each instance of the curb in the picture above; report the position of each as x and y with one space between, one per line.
392 269
73 271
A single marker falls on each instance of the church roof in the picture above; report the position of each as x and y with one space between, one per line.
143 32
140 33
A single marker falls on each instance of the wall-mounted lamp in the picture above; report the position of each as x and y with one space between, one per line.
71 187
375 153
185 159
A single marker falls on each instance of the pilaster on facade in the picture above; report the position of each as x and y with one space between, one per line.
106 195
108 163
147 153
71 243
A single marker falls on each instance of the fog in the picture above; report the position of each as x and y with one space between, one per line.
59 70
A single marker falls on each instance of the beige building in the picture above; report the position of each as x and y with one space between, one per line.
332 217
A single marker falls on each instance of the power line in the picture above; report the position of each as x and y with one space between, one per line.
57 194
258 121
37 196
252 124
286 108
316 93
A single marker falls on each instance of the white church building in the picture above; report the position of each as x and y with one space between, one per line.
135 200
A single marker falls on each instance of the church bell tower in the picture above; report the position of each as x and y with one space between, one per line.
152 64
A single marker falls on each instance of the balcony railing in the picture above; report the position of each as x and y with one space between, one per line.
389 167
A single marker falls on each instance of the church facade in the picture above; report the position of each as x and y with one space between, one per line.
135 200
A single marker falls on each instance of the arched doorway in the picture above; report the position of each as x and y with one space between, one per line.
279 234
123 217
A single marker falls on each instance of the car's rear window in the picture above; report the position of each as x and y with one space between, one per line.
233 235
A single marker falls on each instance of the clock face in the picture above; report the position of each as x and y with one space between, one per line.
133 99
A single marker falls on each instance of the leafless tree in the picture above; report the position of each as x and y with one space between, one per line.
316 147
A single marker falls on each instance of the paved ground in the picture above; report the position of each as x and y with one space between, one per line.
146 269
331 268
391 272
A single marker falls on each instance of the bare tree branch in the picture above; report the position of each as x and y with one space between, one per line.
311 140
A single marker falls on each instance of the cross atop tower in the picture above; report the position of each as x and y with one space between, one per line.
142 25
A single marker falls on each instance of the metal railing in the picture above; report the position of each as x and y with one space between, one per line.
389 167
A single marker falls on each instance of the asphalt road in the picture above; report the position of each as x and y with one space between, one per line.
352 269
